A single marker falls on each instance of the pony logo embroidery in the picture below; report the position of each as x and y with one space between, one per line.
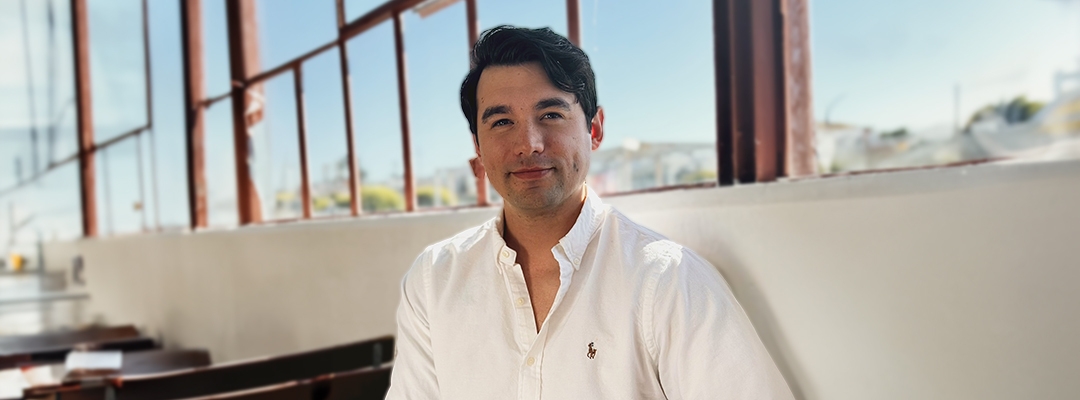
592 350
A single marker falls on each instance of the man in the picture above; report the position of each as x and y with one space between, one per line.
560 296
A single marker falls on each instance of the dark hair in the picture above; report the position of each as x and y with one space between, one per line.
566 65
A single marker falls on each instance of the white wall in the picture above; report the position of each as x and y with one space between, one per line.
954 283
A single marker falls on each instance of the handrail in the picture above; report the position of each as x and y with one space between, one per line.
359 25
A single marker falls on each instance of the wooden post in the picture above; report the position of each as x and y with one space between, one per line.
244 64
194 110
84 119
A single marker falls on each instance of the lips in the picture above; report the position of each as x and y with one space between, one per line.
531 173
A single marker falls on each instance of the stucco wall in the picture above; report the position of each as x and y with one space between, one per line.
956 283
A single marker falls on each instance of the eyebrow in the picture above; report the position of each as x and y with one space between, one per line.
493 110
553 102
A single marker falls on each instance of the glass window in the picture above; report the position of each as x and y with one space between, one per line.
215 49
288 29
117 74
220 166
918 83
120 193
531 14
357 8
37 120
438 59
166 149
328 166
276 151
654 72
47 210
376 119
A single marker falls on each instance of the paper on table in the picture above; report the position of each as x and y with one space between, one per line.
93 360
12 383
43 375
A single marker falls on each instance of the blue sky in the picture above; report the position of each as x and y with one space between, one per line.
884 64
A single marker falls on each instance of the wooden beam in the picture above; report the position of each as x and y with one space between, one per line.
301 132
84 116
767 77
355 199
194 110
573 21
723 48
244 64
753 82
403 106
801 153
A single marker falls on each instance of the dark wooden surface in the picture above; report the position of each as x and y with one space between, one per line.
28 343
242 375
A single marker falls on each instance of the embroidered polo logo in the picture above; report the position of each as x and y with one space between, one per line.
592 350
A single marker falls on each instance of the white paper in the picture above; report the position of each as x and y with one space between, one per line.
42 375
93 360
12 383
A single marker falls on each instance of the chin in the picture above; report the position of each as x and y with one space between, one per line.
534 198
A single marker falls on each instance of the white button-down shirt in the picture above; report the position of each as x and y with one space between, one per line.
637 316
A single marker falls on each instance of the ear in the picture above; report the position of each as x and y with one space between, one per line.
596 128
476 163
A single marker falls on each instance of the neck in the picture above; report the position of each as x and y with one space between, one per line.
541 230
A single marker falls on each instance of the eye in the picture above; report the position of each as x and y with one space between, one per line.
552 115
500 122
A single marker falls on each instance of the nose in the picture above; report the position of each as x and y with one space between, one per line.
530 139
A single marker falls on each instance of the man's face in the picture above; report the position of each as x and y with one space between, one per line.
533 139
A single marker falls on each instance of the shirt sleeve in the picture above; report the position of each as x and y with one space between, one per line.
413 376
704 344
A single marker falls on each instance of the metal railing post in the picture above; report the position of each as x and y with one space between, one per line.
84 118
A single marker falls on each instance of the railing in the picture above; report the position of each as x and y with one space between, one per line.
763 99
240 16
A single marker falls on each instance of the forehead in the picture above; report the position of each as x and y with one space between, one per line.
516 85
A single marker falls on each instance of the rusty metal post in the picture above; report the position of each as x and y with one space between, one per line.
742 65
243 64
723 49
301 132
573 21
194 91
403 105
801 155
355 198
474 163
751 105
768 90
80 32
473 24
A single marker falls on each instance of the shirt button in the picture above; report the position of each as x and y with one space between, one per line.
520 301
530 361
505 253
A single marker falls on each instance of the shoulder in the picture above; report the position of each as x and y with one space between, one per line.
669 268
448 253
655 252
463 243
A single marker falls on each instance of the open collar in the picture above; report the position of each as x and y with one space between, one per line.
574 242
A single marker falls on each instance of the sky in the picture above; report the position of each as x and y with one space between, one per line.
882 64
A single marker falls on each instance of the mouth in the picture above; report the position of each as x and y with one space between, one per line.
529 174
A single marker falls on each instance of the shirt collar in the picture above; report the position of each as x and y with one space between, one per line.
588 221
576 240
